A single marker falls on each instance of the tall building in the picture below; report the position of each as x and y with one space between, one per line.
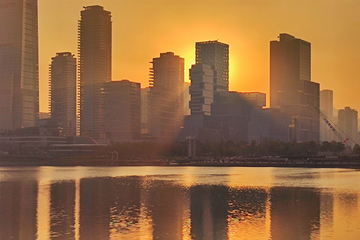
201 89
291 89
327 108
19 83
122 111
166 99
215 54
348 123
95 68
63 92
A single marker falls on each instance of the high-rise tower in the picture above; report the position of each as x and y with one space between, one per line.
291 89
166 97
95 68
122 111
215 54
19 83
201 89
63 92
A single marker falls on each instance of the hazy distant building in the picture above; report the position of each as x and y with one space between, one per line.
19 82
291 89
122 111
231 112
166 99
348 123
268 123
215 54
63 92
95 67
201 89
327 108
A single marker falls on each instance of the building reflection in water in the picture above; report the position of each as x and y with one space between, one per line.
95 208
43 210
166 203
209 211
346 215
249 214
18 202
141 208
125 206
62 215
295 213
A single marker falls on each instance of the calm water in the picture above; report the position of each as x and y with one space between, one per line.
179 203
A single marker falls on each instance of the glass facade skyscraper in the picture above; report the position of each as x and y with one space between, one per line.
95 68
19 81
291 88
166 97
63 92
215 54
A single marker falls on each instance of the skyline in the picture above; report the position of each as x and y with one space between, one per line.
142 29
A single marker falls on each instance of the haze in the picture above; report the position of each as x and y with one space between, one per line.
144 28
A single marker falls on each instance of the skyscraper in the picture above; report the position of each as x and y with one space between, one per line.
201 89
291 88
19 83
95 68
166 97
63 92
215 54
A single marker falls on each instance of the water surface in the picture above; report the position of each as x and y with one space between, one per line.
173 203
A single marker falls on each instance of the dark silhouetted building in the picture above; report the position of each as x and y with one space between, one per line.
122 111
215 54
166 99
201 89
63 92
19 81
291 89
95 68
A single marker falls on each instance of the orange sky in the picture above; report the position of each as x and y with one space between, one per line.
144 28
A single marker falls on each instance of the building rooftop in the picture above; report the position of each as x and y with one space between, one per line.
214 41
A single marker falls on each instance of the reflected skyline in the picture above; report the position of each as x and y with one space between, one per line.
169 207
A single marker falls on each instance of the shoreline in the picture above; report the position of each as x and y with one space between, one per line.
28 161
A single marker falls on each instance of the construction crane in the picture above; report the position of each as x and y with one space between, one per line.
323 116
327 121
